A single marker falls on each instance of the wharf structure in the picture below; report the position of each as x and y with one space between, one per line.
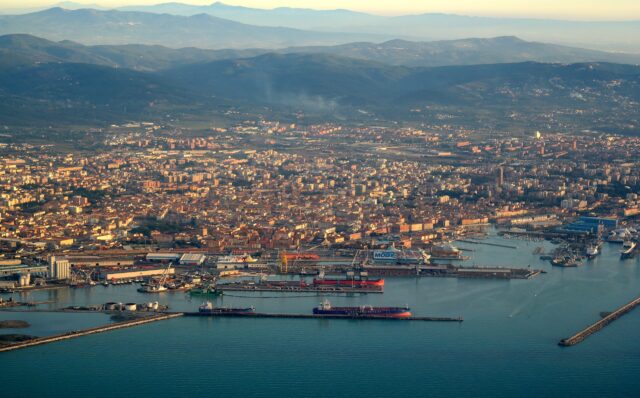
591 329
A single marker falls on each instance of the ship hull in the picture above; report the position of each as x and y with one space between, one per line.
385 312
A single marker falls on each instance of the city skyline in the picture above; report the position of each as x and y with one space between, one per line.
567 10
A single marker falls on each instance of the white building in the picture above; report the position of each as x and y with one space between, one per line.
59 269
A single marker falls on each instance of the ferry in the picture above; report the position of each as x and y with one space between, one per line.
366 311
401 257
208 308
628 249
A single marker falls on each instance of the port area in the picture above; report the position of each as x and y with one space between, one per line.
295 287
100 329
599 325
322 316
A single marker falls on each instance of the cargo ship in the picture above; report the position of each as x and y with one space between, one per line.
208 308
365 311
349 282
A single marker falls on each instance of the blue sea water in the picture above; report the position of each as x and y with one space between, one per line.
507 345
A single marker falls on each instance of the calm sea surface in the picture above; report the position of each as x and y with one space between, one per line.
507 345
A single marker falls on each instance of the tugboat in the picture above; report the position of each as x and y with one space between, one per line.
208 308
363 311
628 249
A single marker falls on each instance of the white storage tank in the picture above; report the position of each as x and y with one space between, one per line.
130 307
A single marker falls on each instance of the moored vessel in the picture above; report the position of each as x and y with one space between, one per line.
445 251
366 311
628 249
208 308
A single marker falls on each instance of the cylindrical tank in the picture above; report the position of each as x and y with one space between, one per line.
130 307
110 306
150 306
155 305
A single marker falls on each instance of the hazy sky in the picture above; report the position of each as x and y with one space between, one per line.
565 9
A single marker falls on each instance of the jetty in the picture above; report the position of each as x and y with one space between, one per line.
323 316
85 332
583 334
295 287
475 242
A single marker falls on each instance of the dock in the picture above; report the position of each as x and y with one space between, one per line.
294 287
85 332
475 242
583 334
322 316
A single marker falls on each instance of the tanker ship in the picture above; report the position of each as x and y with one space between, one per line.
365 311
208 308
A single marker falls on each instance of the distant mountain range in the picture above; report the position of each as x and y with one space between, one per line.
55 84
202 30
610 36
20 49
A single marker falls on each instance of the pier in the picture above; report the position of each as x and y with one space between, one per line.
85 332
475 242
321 316
294 287
583 334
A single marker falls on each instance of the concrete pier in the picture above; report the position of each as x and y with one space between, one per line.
99 329
583 334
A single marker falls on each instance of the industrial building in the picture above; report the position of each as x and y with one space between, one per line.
59 269
192 259
163 257
138 273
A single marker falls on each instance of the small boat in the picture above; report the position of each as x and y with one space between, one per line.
592 251
628 249
152 289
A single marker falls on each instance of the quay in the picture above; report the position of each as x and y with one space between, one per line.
583 334
294 288
322 316
85 332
